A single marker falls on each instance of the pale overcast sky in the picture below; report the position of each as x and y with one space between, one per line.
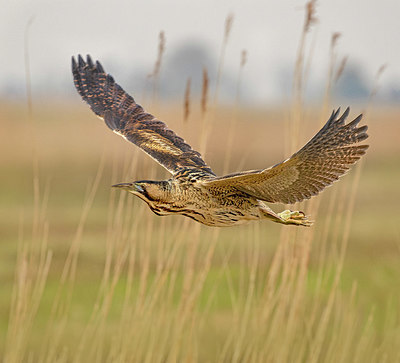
124 35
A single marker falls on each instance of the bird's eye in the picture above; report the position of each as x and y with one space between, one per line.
139 188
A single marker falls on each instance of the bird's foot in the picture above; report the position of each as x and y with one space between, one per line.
294 217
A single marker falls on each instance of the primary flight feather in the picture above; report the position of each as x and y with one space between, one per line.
194 190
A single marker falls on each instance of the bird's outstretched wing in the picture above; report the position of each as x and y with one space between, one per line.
126 118
327 156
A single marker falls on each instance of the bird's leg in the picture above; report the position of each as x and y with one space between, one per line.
286 217
294 217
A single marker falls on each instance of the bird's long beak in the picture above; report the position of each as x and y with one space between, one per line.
129 187
126 186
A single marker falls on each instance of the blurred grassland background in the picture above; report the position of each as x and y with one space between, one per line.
90 274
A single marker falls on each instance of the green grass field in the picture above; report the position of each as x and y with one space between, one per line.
90 274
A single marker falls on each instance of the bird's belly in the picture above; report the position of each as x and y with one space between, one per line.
217 211
222 218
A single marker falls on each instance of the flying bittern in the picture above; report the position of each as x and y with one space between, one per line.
194 190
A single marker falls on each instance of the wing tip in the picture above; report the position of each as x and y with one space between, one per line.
81 62
89 61
73 63
78 63
99 67
334 120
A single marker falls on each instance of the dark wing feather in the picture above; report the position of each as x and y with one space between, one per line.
125 117
327 156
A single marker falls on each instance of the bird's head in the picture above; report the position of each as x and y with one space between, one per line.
152 192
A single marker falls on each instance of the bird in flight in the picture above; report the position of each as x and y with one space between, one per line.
194 190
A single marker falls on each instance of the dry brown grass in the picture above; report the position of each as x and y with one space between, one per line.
118 284
161 281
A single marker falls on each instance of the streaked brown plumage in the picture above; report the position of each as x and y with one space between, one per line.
194 190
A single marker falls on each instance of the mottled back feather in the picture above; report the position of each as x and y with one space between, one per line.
125 117
327 156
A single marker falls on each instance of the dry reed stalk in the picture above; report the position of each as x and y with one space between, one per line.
375 86
204 114
284 261
29 102
155 74
119 212
224 273
308 65
118 251
28 83
296 309
30 279
190 293
245 320
334 73
311 18
62 301
364 349
33 260
227 31
204 93
329 83
341 68
232 128
238 301
343 221
33 263
289 268
186 102
69 270
298 79
338 215
314 206
206 124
